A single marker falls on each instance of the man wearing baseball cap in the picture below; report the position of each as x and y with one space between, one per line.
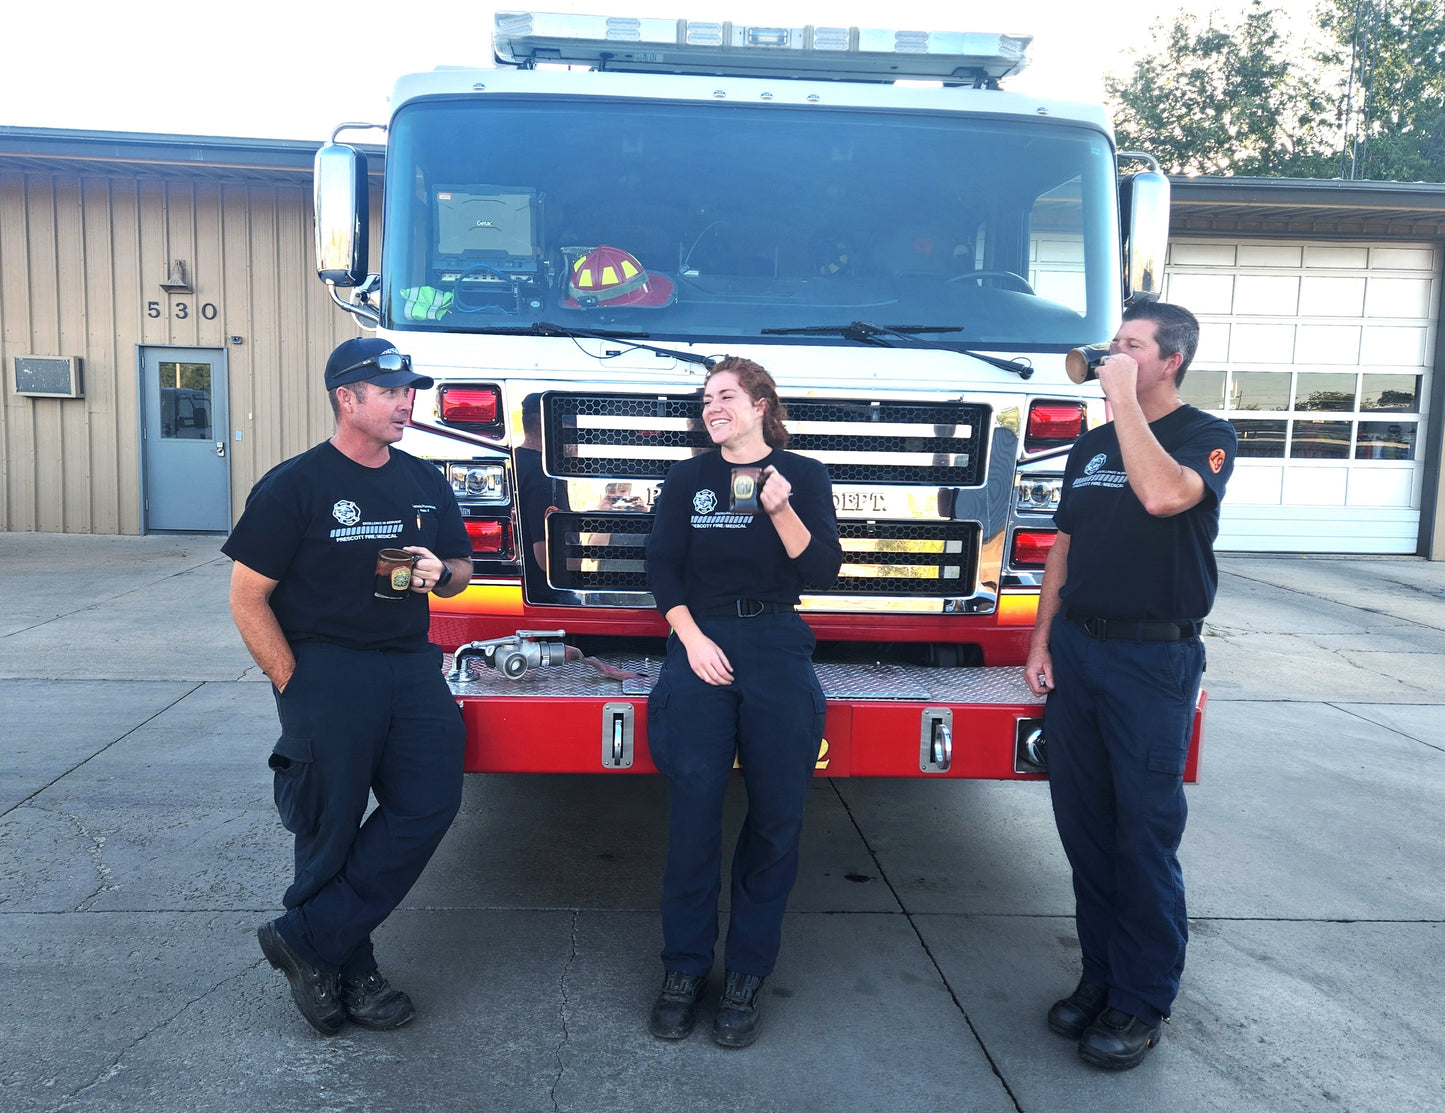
364 707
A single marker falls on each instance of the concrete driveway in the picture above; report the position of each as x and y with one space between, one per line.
929 932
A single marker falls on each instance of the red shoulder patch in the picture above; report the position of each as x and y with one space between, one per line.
1216 460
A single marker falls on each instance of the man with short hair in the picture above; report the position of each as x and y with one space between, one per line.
363 704
1117 651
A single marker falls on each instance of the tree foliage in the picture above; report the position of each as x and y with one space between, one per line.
1222 98
1246 98
1395 91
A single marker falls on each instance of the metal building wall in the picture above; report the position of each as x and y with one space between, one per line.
82 257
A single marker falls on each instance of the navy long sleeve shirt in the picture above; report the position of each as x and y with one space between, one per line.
701 555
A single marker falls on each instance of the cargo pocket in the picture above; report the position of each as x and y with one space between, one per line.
820 713
295 784
657 735
1168 759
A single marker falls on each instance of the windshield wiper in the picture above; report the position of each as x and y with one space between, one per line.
861 332
544 328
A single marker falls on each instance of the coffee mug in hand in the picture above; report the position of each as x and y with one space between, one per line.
747 482
393 573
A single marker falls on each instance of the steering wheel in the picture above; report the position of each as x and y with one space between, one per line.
1020 279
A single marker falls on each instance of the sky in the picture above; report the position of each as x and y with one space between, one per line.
293 70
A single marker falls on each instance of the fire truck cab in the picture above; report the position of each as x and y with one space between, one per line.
571 238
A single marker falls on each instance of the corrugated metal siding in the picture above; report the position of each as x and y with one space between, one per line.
81 257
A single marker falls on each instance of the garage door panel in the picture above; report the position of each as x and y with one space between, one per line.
1396 345
1269 255
1255 486
1385 487
1398 297
1262 344
1267 295
1203 293
1327 344
1333 255
1315 486
1322 296
1320 530
1325 353
1402 258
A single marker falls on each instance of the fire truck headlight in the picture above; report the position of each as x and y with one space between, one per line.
1038 493
478 481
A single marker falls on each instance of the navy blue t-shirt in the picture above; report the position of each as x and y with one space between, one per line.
315 522
1123 561
702 555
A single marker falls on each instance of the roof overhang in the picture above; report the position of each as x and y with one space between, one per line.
278 161
1306 207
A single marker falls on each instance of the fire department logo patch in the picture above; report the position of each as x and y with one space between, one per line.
1098 462
1216 460
704 502
348 513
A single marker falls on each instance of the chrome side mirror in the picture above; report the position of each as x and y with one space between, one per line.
342 215
1144 207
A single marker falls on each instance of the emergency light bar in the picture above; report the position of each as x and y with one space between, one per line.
683 46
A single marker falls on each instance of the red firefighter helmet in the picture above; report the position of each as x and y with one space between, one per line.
608 276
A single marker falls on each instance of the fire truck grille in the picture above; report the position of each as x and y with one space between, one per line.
907 558
629 436
932 559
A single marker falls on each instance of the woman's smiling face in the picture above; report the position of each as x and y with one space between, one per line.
732 418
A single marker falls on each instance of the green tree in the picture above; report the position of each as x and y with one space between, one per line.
1395 91
1227 98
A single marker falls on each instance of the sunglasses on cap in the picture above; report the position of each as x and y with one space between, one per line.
388 362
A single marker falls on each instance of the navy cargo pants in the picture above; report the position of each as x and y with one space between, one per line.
356 722
1118 723
771 719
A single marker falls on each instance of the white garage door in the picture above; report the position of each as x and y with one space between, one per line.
1319 353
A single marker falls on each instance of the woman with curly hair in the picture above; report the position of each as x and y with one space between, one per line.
738 682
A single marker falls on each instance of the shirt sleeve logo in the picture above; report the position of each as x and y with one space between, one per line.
704 502
1216 460
346 512
1098 462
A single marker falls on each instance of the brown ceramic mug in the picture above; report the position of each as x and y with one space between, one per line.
393 574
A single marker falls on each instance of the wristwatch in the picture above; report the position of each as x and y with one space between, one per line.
445 578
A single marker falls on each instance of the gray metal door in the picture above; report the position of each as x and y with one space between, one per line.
185 464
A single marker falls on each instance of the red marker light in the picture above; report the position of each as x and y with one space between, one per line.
1052 423
488 535
470 405
1031 548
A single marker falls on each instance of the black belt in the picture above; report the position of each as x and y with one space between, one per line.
1135 629
746 608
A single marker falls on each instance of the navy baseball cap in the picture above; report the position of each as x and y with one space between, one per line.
371 359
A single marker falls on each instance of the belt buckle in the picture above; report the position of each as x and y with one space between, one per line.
1097 628
750 603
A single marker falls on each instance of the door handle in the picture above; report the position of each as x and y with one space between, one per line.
220 448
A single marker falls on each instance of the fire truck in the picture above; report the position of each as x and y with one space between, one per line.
572 237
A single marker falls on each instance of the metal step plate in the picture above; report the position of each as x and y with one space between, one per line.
850 682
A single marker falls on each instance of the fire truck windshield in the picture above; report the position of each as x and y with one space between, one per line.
715 222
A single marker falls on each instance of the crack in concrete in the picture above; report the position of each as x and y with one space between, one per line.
562 1013
1406 588
114 1066
85 761
1348 710
927 951
96 852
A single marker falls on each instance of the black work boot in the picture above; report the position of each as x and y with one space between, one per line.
314 991
737 1020
675 1011
373 1002
1078 1010
1117 1041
